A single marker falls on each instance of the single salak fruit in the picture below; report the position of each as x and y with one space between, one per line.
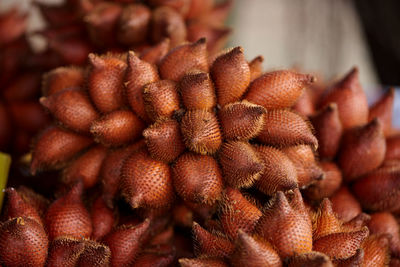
23 242
125 243
385 223
278 89
350 99
327 186
345 205
287 225
383 109
279 171
103 218
254 252
213 245
372 190
328 130
17 206
237 214
197 178
363 149
305 163
376 250
67 216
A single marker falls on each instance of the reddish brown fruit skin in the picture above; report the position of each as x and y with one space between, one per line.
105 82
133 24
237 214
311 259
202 262
67 216
279 173
379 190
23 242
164 140
363 149
197 178
326 221
146 182
16 206
125 243
242 120
341 245
287 226
62 78
327 186
393 148
65 252
138 74
350 99
376 250
304 161
254 252
161 99
328 130
355 260
110 172
210 244
256 68
102 219
197 91
285 128
72 51
201 131
86 167
166 22
305 104
72 108
55 147
117 128
278 89
95 254
37 201
184 58
240 163
231 75
383 109
385 223
345 205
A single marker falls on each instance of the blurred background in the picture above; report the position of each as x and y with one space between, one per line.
327 37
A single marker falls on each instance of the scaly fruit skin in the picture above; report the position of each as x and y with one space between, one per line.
67 216
23 242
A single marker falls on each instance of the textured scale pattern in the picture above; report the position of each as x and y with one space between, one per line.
278 89
197 178
286 128
146 182
237 213
286 228
279 173
67 216
23 242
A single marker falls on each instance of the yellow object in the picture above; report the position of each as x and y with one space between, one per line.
5 162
